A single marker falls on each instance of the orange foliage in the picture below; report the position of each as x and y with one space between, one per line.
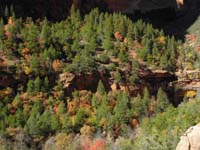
25 51
98 144
71 107
126 40
57 65
55 108
134 122
118 36
191 37
10 21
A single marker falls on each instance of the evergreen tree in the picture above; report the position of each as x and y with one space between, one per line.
44 122
31 35
162 101
123 56
55 124
130 32
121 110
61 108
134 71
46 84
146 101
100 88
121 26
1 30
83 62
164 62
35 64
7 12
32 125
37 85
137 106
30 87
20 120
102 110
118 77
75 47
44 35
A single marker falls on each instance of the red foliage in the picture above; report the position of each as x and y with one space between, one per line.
191 37
98 144
134 122
55 108
118 36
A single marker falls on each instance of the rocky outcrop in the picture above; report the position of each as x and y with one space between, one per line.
84 81
190 140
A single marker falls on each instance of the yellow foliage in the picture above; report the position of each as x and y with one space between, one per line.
87 130
191 94
27 70
5 92
103 123
73 120
161 40
63 141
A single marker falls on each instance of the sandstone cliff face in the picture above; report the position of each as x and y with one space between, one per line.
190 140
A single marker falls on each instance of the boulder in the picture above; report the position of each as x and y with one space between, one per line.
190 140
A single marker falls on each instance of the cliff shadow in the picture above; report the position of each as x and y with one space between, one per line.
174 22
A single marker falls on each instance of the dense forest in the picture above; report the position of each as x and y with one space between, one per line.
39 56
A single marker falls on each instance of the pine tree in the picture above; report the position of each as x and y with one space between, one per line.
31 37
134 71
121 110
1 30
30 87
45 87
55 124
37 85
7 12
20 120
44 123
123 56
12 12
75 47
61 108
102 110
100 88
146 101
118 77
44 35
155 52
162 101
35 64
164 62
32 125
121 26
130 32
137 106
